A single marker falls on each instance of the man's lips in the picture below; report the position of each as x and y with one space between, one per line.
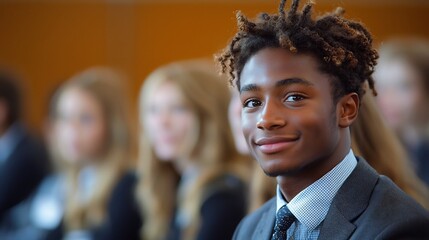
270 145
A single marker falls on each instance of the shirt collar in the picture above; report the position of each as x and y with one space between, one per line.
311 205
87 180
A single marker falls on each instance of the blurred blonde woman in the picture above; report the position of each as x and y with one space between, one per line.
191 177
402 77
91 195
372 140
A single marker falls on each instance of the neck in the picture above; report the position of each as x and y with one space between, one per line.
292 184
88 163
182 165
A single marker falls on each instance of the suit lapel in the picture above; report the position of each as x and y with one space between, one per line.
265 225
351 200
337 225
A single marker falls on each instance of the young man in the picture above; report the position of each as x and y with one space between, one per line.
300 82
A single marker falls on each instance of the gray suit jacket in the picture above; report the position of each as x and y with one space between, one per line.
367 206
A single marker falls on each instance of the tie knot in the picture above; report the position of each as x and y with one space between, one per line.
284 220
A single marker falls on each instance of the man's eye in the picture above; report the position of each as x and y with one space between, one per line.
252 103
294 98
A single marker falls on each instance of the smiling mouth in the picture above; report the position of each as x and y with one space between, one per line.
274 145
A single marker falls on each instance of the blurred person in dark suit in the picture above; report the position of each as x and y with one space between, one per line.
23 158
402 76
90 196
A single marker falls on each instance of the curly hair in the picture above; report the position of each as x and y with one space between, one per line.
343 47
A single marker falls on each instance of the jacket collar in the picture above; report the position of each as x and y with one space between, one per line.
265 226
356 189
351 200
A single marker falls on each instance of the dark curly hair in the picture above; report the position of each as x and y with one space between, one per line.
343 47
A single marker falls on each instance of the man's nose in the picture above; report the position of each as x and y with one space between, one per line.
271 117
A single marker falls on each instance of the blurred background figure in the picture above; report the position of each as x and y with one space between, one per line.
91 194
402 78
192 179
234 116
23 158
371 139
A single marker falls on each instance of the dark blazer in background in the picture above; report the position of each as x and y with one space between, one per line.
22 171
367 206
420 157
224 205
122 221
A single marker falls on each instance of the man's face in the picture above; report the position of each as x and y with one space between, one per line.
288 116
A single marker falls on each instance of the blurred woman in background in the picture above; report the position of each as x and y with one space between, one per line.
402 77
377 144
191 177
23 158
91 195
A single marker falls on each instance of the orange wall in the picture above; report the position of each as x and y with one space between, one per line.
48 42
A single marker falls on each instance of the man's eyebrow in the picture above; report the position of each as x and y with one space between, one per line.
290 81
280 83
249 88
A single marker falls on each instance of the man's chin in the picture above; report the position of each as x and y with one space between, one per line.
271 174
275 171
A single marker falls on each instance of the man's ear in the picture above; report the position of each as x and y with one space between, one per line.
347 109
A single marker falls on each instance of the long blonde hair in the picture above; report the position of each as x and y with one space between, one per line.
213 150
105 86
372 140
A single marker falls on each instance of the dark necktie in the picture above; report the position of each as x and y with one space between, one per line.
284 220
